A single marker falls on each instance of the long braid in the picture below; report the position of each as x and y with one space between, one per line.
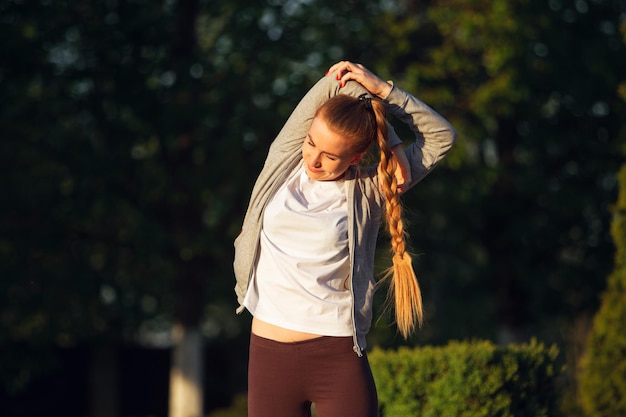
404 285
353 119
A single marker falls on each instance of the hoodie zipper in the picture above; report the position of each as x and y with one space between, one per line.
350 185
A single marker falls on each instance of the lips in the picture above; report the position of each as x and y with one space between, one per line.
313 170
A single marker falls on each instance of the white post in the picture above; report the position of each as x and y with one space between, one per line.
186 373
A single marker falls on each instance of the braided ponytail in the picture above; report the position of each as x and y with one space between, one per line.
404 287
363 122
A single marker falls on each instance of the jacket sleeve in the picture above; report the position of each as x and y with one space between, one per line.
434 135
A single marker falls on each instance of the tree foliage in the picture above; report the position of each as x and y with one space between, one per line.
603 381
506 227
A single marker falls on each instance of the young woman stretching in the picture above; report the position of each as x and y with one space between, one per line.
304 261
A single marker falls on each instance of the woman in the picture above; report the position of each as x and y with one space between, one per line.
305 257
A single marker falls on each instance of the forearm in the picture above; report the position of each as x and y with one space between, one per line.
403 168
434 135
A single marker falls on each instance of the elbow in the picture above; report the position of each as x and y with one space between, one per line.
450 139
453 135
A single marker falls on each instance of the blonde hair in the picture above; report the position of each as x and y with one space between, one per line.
363 122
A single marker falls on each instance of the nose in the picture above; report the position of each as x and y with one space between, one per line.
315 160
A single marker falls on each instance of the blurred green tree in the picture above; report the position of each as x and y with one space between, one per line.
603 377
514 232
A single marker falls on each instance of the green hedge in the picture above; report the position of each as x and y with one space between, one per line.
467 379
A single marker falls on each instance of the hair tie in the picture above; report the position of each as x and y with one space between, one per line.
367 99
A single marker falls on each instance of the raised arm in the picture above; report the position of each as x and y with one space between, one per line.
434 134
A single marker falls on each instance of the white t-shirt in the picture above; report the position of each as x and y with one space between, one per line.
300 281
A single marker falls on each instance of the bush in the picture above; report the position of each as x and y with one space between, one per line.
603 377
467 379
239 408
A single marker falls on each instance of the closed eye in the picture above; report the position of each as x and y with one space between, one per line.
311 144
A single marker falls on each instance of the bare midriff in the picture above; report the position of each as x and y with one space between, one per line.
279 334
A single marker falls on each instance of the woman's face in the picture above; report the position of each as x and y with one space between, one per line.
326 154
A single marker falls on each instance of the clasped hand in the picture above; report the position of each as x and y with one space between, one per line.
346 70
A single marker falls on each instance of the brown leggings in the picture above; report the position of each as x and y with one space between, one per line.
285 378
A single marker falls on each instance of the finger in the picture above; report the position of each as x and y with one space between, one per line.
351 71
345 71
341 68
339 65
347 76
335 68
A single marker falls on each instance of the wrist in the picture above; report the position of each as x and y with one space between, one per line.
384 90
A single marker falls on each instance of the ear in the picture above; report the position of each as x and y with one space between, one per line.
357 158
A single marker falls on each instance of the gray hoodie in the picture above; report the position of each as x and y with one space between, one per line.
434 137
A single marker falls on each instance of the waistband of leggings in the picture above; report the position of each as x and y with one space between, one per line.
314 343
